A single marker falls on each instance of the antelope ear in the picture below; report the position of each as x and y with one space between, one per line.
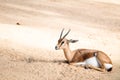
72 41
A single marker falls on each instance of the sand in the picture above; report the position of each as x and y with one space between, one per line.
29 31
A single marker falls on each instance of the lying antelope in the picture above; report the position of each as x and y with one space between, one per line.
87 58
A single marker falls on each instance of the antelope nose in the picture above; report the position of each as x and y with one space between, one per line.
56 47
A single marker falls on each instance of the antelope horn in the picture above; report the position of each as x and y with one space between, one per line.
66 33
61 33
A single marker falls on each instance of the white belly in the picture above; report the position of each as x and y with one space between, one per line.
92 61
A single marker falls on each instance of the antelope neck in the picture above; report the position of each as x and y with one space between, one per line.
68 54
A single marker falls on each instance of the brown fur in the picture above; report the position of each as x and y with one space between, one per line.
83 54
80 55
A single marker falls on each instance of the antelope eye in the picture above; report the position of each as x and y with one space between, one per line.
62 42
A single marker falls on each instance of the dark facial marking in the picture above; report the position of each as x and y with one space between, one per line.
62 42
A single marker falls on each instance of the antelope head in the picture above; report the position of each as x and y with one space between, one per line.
63 42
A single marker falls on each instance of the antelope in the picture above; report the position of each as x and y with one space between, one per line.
88 58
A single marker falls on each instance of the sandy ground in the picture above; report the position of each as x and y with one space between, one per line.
27 50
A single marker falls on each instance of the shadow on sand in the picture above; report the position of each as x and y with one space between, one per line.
31 60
